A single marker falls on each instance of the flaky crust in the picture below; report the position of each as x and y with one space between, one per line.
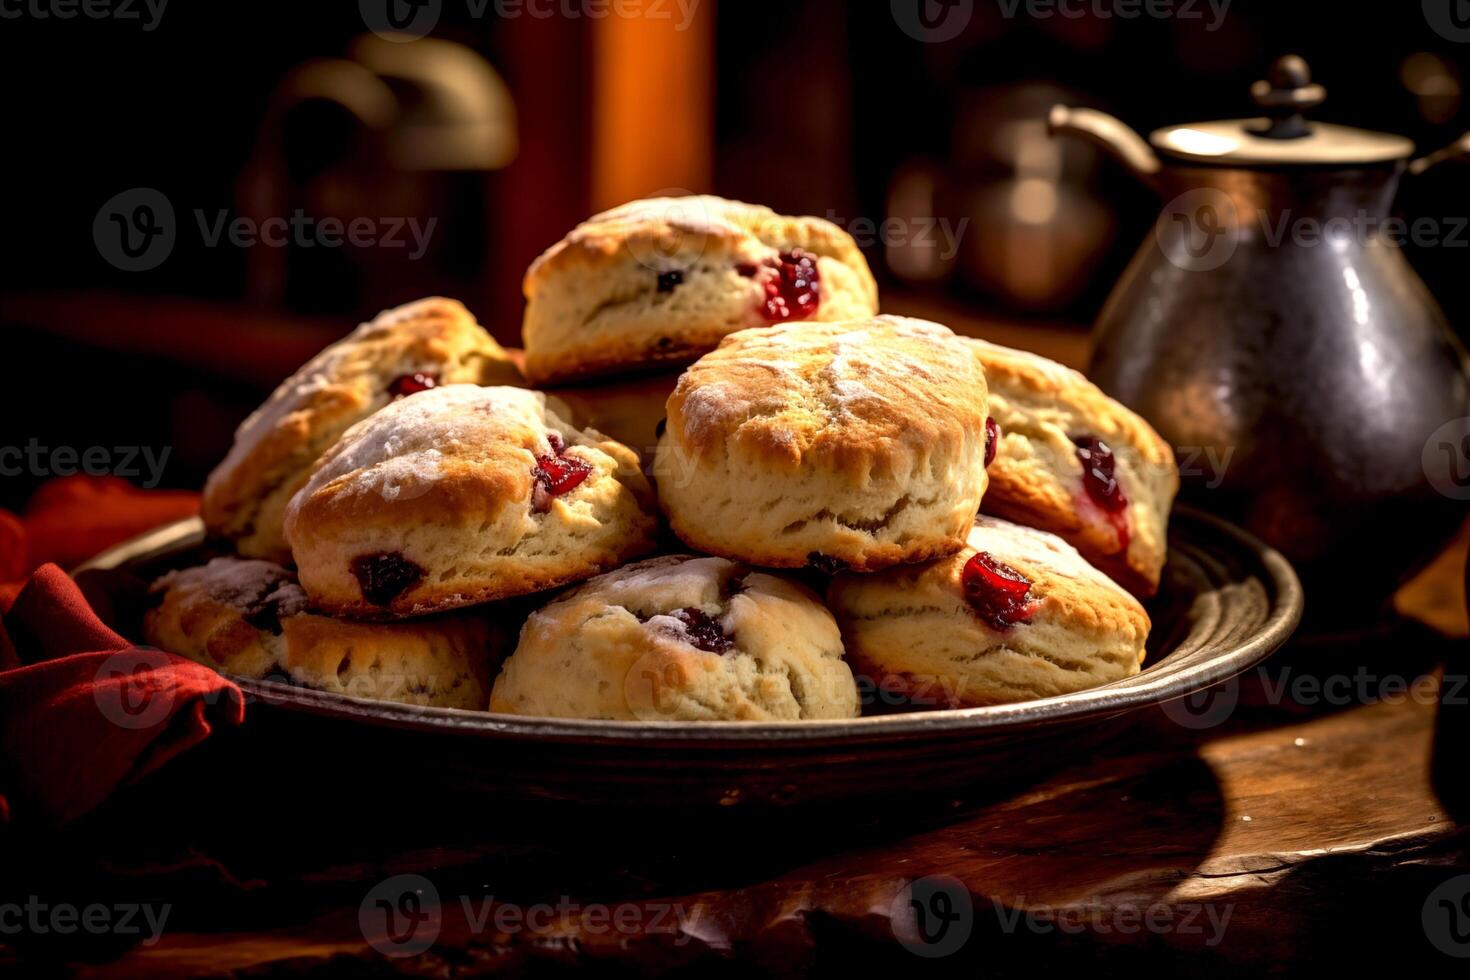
912 631
593 303
857 444
1036 477
611 649
245 497
444 480
250 619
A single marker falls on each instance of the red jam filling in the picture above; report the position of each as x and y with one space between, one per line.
794 291
412 384
999 594
992 440
556 473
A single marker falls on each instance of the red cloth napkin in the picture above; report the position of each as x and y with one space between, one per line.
82 711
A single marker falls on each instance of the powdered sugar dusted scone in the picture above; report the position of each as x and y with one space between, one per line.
663 280
402 351
463 494
1073 461
1018 614
851 445
680 638
250 619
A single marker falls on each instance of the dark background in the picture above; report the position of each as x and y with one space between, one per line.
819 107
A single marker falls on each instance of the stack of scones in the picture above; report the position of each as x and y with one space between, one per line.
833 500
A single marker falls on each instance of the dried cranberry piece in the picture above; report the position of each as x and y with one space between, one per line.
747 269
1099 473
992 440
795 290
385 576
556 474
998 593
703 631
412 384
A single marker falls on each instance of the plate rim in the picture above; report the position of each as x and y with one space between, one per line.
1117 697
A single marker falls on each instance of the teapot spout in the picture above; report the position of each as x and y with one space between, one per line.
1112 135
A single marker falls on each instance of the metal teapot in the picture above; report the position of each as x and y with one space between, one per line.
1274 333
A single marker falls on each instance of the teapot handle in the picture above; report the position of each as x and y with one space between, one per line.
1459 149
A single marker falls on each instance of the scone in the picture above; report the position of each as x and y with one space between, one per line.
460 495
1073 461
680 638
663 280
250 619
403 351
1018 614
850 445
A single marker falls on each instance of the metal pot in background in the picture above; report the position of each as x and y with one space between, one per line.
1272 330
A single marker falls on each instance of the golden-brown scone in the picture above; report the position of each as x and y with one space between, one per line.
432 341
250 619
460 495
662 280
1051 418
840 445
1016 615
680 638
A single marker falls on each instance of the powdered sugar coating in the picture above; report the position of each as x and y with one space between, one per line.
398 452
697 214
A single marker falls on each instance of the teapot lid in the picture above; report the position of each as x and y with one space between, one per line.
1283 137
